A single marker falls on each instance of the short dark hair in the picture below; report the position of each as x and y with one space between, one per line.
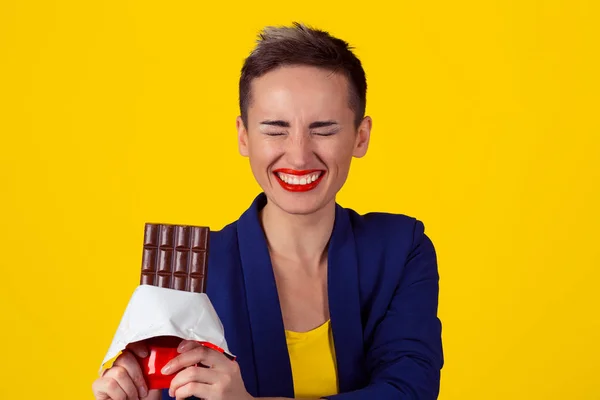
302 45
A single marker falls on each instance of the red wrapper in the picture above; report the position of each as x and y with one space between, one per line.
161 350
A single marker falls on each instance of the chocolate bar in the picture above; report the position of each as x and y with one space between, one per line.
175 257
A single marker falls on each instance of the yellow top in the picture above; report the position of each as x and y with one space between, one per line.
312 356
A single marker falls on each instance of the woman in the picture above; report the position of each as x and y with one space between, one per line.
316 300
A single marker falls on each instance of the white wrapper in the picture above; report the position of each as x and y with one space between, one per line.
155 311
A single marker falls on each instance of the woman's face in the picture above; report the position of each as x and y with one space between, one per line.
301 136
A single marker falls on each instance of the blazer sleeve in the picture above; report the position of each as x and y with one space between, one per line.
405 357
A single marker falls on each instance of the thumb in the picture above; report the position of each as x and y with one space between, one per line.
140 349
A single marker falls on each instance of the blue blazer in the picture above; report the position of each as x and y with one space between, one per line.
383 300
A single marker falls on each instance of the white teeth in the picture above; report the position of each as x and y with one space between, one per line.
298 180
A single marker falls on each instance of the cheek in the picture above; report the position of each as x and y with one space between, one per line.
263 154
339 156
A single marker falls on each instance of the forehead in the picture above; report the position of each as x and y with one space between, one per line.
300 91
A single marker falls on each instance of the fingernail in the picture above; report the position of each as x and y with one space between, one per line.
182 347
166 369
143 391
143 353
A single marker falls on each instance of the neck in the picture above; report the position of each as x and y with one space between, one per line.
301 238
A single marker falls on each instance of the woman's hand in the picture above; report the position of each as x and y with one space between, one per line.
222 379
124 380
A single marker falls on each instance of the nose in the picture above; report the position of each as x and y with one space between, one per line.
299 149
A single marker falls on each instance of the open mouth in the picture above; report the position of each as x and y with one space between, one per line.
299 181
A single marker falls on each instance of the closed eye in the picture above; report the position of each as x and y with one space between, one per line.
274 133
324 133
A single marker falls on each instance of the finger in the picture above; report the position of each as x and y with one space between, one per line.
134 370
140 349
215 359
186 345
121 376
193 374
208 357
108 389
187 359
154 394
199 390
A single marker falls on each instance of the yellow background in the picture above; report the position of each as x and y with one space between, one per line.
114 113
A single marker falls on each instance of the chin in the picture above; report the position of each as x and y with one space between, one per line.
296 204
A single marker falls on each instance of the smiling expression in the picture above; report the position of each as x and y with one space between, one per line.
301 136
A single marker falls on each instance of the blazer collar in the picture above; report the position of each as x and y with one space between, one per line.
272 362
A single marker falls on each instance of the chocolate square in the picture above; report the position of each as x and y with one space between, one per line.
175 257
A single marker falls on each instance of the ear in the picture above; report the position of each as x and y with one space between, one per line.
242 137
362 137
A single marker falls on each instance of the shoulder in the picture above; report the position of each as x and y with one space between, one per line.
393 253
224 237
388 246
398 232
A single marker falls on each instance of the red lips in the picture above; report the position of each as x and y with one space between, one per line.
298 188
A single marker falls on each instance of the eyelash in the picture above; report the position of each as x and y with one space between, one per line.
314 133
324 134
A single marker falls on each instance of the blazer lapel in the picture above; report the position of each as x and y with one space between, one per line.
271 357
344 303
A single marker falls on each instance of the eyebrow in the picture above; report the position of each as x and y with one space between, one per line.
285 124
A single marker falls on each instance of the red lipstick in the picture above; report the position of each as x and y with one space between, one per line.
298 188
